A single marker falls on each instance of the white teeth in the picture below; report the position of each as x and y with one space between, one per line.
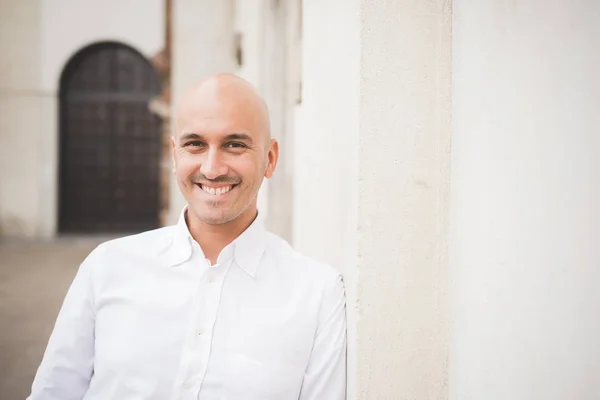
217 191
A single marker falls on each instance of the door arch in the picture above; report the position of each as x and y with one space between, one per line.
110 143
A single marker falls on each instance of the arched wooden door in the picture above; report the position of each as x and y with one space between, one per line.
110 147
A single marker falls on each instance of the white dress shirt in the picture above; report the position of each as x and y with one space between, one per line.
148 317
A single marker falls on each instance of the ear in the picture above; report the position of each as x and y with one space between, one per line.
173 152
272 157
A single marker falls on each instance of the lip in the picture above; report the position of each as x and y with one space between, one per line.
215 191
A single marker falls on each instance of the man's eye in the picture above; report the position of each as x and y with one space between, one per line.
236 145
194 144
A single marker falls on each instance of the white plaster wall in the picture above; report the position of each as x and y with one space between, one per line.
70 25
21 110
525 195
203 44
325 147
326 143
249 19
280 63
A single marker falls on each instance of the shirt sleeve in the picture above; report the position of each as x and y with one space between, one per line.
67 366
325 376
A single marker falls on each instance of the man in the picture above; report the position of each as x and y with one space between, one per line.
215 307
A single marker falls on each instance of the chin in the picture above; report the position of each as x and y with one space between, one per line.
216 214
215 218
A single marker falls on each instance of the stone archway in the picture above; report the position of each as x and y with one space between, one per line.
110 142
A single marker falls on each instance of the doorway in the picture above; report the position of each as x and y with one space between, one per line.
110 142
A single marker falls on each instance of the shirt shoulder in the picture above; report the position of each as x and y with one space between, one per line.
150 246
298 264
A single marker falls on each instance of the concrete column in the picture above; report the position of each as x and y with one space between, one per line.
372 169
525 217
203 44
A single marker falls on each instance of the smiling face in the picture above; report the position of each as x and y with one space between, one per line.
222 149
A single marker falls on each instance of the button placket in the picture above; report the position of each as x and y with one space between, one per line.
186 379
211 287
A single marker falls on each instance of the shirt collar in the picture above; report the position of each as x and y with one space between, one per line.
182 241
250 246
247 248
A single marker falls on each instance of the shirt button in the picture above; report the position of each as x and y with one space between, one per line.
200 332
211 279
188 384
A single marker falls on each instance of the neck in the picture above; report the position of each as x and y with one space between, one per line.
213 238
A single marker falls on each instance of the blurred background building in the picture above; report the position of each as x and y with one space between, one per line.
442 155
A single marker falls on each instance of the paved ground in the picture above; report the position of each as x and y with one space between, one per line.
34 278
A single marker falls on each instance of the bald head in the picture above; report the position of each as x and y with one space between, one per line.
226 99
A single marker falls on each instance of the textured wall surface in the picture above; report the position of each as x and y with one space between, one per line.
405 123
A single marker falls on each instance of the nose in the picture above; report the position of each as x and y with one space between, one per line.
212 165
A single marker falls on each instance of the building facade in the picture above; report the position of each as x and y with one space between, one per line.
39 40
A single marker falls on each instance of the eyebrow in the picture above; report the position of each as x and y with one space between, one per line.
187 136
239 136
232 136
